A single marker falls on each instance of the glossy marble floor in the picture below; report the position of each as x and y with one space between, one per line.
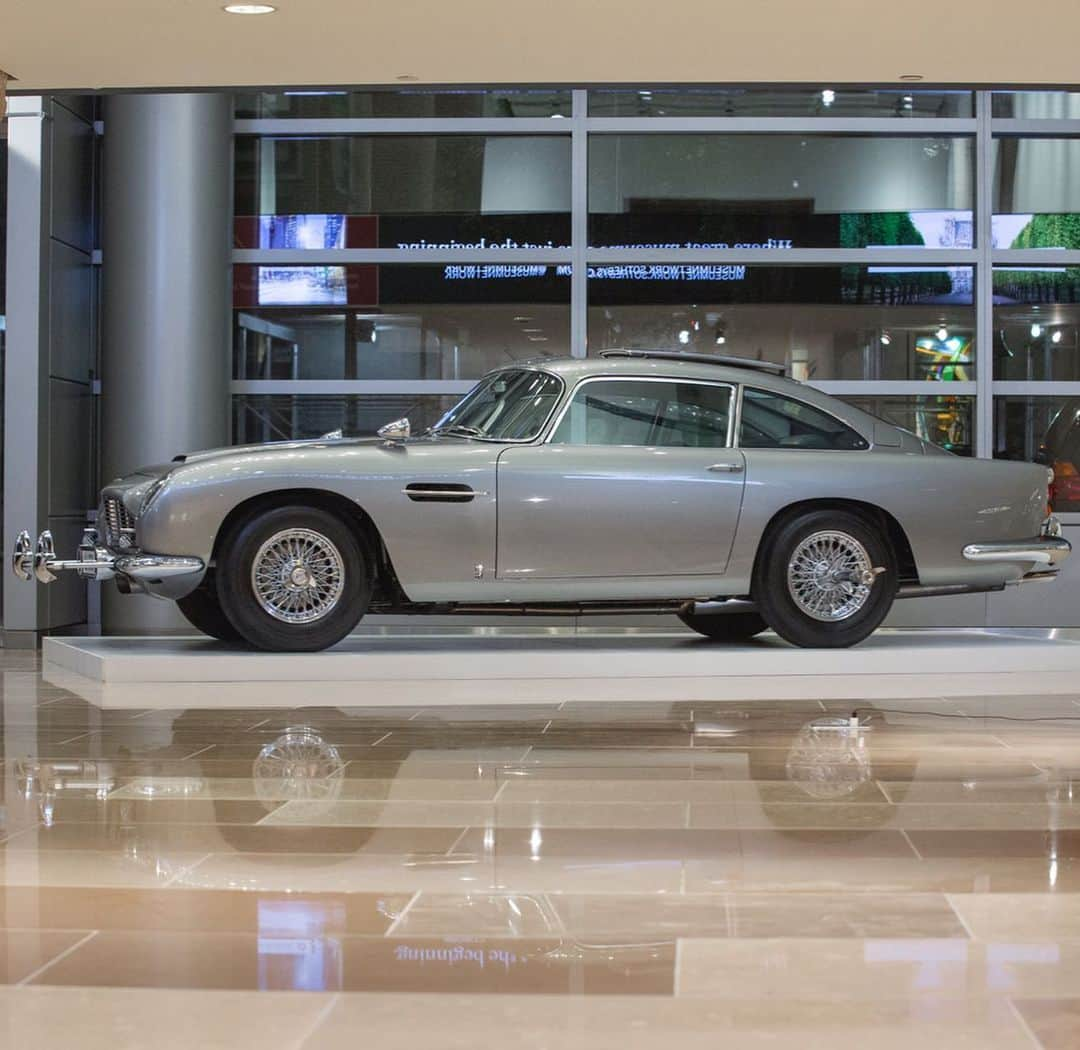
564 875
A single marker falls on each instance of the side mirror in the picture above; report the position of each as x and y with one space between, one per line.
395 431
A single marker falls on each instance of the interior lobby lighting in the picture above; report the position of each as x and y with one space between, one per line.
1056 337
828 97
886 339
1036 331
684 336
721 339
249 9
942 334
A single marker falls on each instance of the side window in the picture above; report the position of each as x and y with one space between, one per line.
773 421
658 414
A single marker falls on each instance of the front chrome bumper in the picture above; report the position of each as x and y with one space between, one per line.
1046 551
155 574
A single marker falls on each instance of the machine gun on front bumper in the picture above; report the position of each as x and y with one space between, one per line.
134 571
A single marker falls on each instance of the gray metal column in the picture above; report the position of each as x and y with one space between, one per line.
166 248
26 380
51 349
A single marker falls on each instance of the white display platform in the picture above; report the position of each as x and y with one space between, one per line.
390 666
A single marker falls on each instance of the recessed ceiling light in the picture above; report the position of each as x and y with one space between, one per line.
911 76
249 9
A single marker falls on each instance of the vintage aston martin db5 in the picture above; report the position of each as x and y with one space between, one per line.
634 481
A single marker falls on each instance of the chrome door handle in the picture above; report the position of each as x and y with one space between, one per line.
726 468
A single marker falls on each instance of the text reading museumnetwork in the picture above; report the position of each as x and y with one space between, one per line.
509 242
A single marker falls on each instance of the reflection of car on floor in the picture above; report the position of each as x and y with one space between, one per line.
636 481
1061 452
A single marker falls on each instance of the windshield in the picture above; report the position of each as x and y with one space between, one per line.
511 405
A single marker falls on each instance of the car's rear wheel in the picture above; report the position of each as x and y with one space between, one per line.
293 579
826 579
203 611
725 627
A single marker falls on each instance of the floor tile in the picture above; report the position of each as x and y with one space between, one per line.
149 839
1054 1022
24 952
89 868
845 971
857 874
134 1018
613 918
1037 843
1019 917
180 910
302 960
463 1022
400 788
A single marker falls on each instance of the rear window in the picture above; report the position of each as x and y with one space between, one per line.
771 420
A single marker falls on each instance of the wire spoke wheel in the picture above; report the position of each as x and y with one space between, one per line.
829 576
299 767
298 576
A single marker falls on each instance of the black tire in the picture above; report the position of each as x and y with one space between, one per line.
725 627
341 557
203 611
788 617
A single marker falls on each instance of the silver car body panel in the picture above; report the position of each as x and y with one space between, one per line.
566 523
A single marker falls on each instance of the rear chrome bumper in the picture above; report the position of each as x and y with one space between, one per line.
1045 552
161 575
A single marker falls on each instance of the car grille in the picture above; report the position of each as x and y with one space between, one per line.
119 524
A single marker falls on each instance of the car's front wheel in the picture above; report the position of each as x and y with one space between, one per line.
826 579
725 627
293 579
203 611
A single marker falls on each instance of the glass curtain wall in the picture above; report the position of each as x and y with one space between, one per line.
914 252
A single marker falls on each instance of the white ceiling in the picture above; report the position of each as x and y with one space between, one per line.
54 44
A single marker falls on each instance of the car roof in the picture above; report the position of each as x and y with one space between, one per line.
672 365
665 364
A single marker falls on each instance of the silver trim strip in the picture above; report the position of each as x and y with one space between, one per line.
156 566
291 127
375 256
917 127
353 386
1048 550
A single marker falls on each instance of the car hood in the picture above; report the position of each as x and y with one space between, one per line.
268 446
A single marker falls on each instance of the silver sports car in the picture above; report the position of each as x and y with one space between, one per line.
636 481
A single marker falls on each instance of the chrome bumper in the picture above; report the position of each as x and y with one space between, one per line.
1047 551
138 571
